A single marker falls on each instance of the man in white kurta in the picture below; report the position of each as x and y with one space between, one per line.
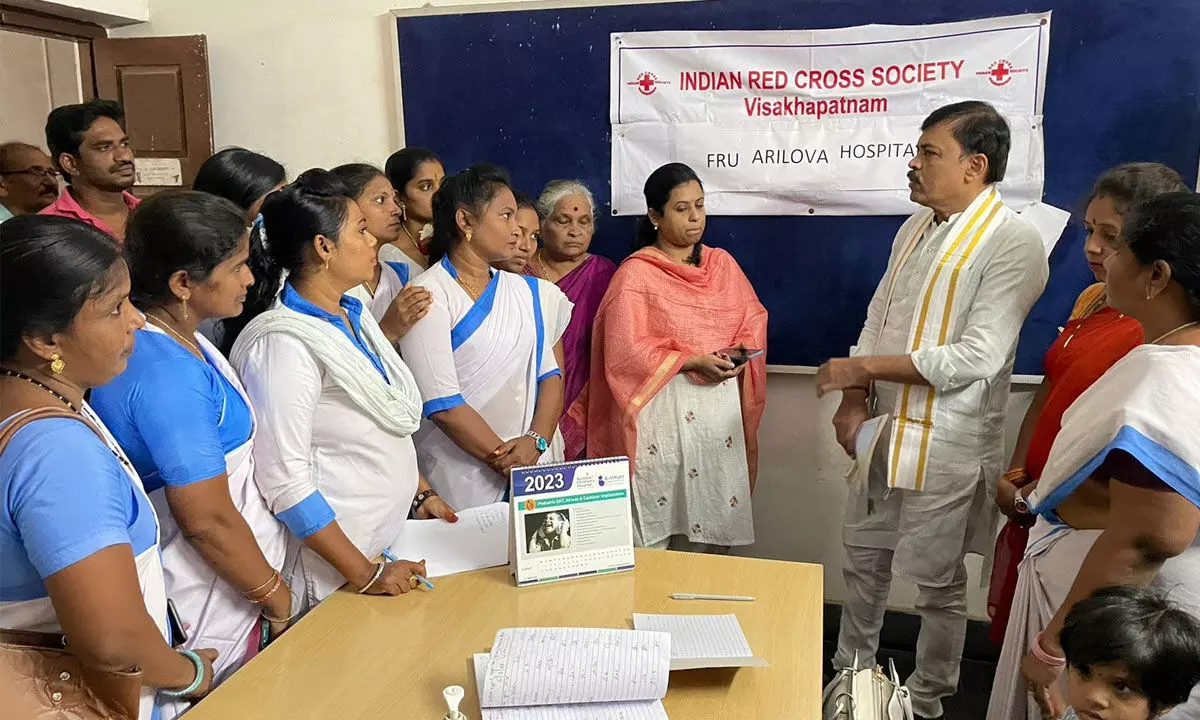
935 355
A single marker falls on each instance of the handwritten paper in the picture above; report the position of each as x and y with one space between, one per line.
559 666
478 540
637 710
702 641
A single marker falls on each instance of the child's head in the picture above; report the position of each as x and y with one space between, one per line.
1132 655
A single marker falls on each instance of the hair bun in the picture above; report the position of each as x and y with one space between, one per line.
321 182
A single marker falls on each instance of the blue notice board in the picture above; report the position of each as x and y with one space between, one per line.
528 90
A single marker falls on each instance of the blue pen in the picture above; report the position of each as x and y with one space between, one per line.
387 555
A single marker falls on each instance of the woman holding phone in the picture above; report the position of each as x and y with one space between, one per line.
676 382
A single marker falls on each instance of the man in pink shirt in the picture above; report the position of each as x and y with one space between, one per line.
89 146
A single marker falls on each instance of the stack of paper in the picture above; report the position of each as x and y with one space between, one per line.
478 540
702 641
574 674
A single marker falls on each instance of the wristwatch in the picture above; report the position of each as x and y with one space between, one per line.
1020 503
542 445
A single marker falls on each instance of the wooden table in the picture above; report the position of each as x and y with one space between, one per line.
358 657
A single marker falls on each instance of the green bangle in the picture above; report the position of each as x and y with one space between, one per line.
195 683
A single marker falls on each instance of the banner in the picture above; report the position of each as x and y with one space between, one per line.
806 122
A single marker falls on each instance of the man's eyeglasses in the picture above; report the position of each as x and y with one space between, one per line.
34 172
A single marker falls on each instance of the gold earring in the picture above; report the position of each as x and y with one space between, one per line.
56 364
326 263
468 235
185 310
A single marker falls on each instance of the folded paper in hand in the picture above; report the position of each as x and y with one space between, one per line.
865 443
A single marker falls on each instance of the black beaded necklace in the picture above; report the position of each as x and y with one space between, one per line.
22 376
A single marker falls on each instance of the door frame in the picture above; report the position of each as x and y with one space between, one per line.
41 24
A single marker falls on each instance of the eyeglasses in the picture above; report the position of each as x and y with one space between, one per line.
35 172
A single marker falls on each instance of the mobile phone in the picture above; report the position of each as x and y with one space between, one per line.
740 355
178 635
264 637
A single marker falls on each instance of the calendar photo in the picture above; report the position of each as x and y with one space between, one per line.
571 520
548 530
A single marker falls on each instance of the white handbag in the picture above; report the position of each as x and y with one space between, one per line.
866 695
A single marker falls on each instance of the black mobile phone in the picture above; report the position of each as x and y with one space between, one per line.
740 355
178 635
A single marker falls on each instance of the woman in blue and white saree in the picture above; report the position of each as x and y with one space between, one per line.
483 357
180 412
1119 500
390 297
557 308
79 539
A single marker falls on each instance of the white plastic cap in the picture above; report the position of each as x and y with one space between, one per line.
453 695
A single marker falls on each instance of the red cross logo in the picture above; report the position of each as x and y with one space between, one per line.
647 83
1000 72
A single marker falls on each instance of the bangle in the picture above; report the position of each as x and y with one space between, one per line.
378 571
421 497
287 619
1040 653
263 598
199 664
1016 474
255 591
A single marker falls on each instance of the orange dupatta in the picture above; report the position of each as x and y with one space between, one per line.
656 314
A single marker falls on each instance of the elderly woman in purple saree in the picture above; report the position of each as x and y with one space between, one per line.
568 223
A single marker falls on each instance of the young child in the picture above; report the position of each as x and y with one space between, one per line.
1131 655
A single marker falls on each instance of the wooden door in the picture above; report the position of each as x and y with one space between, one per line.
163 84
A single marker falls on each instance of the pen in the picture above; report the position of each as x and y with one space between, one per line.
387 555
702 596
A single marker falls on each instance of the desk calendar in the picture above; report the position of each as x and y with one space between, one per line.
571 520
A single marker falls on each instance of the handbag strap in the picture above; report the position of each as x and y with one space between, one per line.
22 419
32 639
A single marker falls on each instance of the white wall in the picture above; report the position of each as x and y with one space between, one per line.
311 84
106 13
36 75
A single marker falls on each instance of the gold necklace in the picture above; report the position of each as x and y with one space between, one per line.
543 272
1169 333
471 291
166 326
415 243
1097 305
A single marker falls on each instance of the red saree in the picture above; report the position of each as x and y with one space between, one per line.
1091 343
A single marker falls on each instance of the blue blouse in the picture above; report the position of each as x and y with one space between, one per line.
175 416
64 498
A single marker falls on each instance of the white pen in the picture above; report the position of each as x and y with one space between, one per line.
702 596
